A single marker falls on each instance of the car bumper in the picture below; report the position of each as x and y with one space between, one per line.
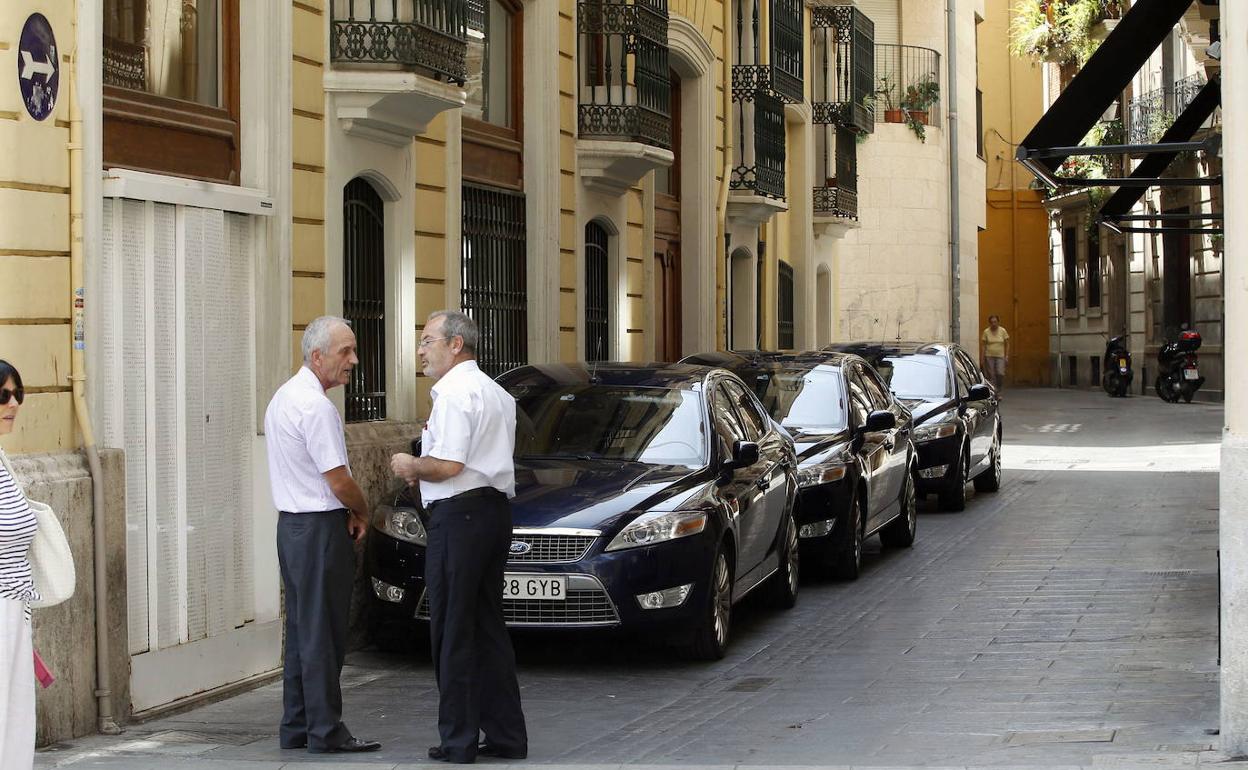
937 462
821 513
602 587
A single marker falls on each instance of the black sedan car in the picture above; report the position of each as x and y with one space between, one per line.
855 458
648 498
957 422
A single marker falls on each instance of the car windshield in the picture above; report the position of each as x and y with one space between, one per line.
919 376
806 401
656 426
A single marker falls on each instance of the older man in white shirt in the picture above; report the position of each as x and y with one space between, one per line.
322 510
467 476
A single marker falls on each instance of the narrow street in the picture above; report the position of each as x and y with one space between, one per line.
1069 620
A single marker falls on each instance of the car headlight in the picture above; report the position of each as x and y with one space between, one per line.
935 431
820 473
657 527
400 523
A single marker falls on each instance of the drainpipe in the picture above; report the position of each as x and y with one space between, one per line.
955 207
721 237
86 11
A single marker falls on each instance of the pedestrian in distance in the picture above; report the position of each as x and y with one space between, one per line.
17 590
995 351
467 478
322 510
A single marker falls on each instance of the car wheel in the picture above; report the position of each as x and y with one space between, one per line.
847 561
900 531
782 592
990 479
953 496
710 638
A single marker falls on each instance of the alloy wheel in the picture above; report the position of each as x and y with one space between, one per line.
722 603
794 551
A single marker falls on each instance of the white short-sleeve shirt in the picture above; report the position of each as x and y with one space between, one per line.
304 436
473 421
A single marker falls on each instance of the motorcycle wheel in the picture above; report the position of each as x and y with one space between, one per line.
1159 387
1110 383
1187 395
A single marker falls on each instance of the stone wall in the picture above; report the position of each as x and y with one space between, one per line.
65 634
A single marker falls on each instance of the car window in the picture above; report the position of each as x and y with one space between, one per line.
922 375
880 397
639 424
977 376
963 374
727 423
859 401
753 420
803 400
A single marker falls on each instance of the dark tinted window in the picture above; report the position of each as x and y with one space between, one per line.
971 369
924 375
877 390
859 401
727 422
805 400
649 425
753 420
964 374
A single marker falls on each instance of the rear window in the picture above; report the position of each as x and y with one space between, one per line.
918 376
810 401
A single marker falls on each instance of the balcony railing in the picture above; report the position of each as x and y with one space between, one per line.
836 170
782 76
844 68
1151 113
624 77
906 78
427 35
760 151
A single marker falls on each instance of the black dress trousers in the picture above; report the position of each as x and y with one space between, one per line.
317 562
473 660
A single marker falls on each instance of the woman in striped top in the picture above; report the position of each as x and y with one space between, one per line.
17 590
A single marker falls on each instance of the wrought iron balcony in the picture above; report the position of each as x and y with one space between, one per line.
843 92
624 76
760 146
1151 113
836 170
782 76
425 35
907 84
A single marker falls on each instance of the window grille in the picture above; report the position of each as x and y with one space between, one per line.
364 298
597 288
1071 272
624 77
1094 271
784 307
494 270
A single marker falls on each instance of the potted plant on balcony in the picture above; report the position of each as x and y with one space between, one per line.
1061 31
918 101
887 93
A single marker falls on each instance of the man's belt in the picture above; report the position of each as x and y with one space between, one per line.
304 513
470 494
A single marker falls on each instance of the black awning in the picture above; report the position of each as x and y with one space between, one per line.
1102 79
1156 162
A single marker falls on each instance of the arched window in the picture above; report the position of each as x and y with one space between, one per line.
784 307
597 294
364 298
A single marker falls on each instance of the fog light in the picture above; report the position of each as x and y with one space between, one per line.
817 529
934 472
387 592
670 597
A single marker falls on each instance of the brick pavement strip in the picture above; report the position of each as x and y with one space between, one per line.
1068 621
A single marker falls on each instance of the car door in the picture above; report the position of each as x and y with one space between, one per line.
895 444
774 459
978 413
870 449
743 492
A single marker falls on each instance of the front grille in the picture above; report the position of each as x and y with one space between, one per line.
587 605
551 549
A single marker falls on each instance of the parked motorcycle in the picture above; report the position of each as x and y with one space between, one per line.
1178 375
1116 374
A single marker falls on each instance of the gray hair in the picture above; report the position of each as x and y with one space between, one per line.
457 324
316 335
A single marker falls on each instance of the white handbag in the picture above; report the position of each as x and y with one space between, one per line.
51 561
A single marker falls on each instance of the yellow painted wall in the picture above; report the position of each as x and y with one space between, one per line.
430 198
34 240
1013 249
309 56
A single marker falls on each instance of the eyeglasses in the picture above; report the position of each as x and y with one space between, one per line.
6 394
430 340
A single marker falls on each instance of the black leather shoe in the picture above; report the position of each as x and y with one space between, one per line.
299 745
502 752
352 746
442 755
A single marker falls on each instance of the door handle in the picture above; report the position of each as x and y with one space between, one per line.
889 445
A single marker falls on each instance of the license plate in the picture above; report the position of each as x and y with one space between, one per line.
543 587
1122 364
1190 374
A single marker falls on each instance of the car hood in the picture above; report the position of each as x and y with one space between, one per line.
595 494
813 447
925 409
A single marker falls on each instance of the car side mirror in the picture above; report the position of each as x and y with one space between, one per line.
744 454
879 420
980 392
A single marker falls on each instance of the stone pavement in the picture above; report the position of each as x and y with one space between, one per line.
1069 620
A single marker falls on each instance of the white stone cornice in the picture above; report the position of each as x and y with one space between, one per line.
752 210
388 106
613 166
832 225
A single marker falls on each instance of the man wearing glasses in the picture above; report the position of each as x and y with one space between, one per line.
466 477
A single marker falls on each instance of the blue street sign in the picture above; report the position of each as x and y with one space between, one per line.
38 68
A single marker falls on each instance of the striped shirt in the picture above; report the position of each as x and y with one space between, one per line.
17 530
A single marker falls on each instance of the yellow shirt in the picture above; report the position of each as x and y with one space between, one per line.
994 343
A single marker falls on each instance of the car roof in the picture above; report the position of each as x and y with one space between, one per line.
639 375
872 350
771 360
